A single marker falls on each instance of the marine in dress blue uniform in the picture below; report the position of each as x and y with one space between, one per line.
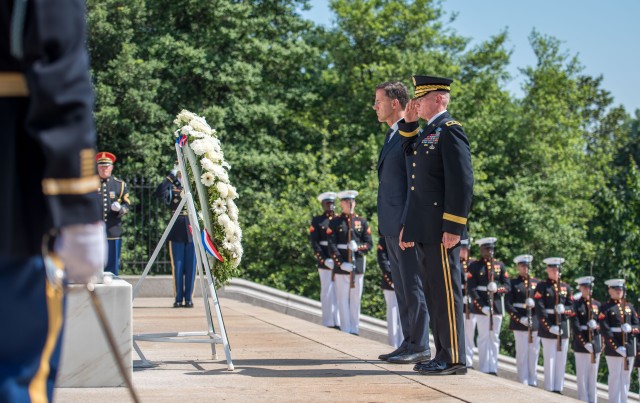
49 180
350 240
586 340
489 280
115 205
553 300
390 101
394 328
181 247
320 245
519 304
440 188
618 322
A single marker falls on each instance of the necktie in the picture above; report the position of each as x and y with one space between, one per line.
389 133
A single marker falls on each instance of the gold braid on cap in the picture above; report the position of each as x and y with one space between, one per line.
424 89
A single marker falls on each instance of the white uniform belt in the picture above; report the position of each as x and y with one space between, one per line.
13 84
324 243
584 327
519 305
550 310
616 330
343 246
481 288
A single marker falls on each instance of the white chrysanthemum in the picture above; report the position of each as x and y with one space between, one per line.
207 164
186 129
223 219
219 206
199 147
215 157
226 164
200 124
197 134
232 194
207 179
185 116
230 231
223 189
228 246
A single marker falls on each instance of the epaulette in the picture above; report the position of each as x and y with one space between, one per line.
116 179
453 123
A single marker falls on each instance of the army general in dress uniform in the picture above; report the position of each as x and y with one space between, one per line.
440 188
181 247
520 305
553 300
115 204
49 186
320 245
586 340
349 240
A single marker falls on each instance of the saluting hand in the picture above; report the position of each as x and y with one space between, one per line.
411 111
450 240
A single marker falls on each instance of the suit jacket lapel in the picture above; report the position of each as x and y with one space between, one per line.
387 147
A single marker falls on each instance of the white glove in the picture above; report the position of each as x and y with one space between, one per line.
555 330
560 309
329 263
115 206
524 321
589 347
529 303
622 351
486 310
346 266
83 250
626 328
592 324
353 245
492 287
577 296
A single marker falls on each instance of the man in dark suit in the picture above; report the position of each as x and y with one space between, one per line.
49 186
440 188
391 99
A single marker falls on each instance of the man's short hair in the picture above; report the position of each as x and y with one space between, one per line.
395 90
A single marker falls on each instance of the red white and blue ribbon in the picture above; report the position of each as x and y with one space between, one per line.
209 246
182 140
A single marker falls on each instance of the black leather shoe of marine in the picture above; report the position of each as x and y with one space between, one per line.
189 304
397 351
410 358
436 367
177 305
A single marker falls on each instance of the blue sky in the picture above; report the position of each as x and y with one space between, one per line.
604 35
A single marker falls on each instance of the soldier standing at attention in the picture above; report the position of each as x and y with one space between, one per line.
320 246
520 306
618 323
394 329
349 240
553 307
586 341
469 316
115 204
488 283
49 205
440 188
390 100
181 248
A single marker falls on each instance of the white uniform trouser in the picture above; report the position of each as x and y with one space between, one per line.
619 379
348 300
394 329
527 356
586 377
328 299
554 363
488 343
469 333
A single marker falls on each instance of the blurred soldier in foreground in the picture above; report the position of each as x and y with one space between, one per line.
349 241
50 205
115 204
320 246
488 283
394 329
520 305
618 323
586 341
553 305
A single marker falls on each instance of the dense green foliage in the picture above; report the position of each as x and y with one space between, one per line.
556 170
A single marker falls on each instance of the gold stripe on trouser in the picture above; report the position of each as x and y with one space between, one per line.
38 385
173 271
453 334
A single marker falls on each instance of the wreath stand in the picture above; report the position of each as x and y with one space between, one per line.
203 269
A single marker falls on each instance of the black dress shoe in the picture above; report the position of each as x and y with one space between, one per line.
189 304
410 357
436 367
177 304
397 351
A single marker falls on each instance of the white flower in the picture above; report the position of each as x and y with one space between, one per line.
223 189
184 117
228 246
196 134
207 179
200 124
219 206
186 129
223 219
207 164
199 147
226 164
232 192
